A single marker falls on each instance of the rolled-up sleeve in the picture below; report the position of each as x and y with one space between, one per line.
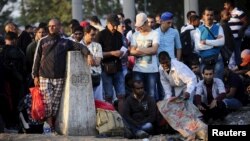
188 77
217 42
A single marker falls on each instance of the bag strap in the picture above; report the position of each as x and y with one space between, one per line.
210 32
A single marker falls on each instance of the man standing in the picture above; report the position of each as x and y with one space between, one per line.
238 24
140 111
208 39
151 21
229 39
188 25
112 75
14 78
169 37
49 67
144 47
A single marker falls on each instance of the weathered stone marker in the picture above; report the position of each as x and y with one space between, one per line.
77 115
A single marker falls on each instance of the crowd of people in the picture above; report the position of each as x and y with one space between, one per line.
138 65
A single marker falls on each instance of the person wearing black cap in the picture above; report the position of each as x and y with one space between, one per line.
111 42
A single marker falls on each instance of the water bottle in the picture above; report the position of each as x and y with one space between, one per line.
46 129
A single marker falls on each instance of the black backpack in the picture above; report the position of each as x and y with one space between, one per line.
186 42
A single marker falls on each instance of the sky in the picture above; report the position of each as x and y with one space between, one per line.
16 11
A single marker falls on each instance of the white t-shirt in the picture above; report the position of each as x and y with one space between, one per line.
146 63
96 51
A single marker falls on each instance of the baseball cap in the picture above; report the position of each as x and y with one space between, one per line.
141 18
245 56
166 16
113 19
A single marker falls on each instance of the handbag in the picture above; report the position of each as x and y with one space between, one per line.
110 67
96 78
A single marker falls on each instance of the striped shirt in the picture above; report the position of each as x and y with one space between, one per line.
235 21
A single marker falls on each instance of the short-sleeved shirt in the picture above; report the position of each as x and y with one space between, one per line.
169 40
110 42
96 51
146 63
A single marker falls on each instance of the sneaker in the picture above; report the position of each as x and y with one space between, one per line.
141 134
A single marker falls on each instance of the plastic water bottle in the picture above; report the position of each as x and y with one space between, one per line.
46 129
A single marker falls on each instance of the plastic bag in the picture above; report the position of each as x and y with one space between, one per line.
37 108
104 105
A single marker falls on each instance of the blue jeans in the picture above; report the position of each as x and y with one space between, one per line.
98 91
160 91
115 81
149 80
232 103
218 68
147 127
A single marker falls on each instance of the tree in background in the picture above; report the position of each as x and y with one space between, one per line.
177 7
34 11
100 7
154 7
5 14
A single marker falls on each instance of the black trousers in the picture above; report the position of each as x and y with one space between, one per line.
218 112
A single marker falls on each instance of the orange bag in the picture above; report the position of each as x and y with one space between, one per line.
37 107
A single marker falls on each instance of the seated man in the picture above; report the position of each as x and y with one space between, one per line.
194 65
209 95
235 96
140 111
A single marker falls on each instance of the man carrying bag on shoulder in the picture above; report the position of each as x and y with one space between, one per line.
208 39
112 76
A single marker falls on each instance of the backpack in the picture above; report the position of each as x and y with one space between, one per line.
186 42
109 122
